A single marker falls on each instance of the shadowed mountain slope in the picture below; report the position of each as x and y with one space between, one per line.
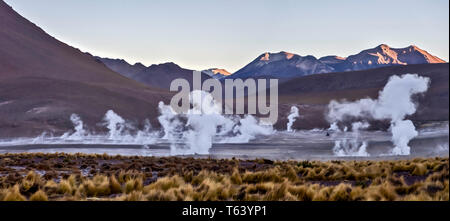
43 81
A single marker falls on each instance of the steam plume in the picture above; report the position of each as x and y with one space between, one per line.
195 131
394 103
292 117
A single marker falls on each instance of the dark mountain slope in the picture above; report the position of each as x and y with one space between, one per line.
43 81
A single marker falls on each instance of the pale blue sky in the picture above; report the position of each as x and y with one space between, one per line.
200 34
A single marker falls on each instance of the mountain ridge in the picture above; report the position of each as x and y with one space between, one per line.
283 64
384 55
289 65
156 75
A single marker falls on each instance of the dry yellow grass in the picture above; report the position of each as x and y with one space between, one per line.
39 196
417 179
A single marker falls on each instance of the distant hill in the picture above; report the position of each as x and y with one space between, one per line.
43 81
156 75
122 67
162 75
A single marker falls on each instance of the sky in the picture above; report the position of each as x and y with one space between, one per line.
202 34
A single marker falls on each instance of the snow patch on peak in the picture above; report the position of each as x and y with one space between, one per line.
289 55
221 71
266 57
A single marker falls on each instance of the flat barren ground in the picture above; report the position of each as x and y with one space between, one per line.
103 177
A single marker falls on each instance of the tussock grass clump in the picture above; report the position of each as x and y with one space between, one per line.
236 177
322 193
39 196
114 185
30 183
341 193
272 175
211 190
133 185
387 191
166 183
134 196
13 194
65 187
301 192
51 187
159 195
99 185
279 192
420 169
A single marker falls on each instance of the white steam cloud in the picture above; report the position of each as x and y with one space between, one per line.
292 117
78 125
119 132
192 132
114 123
353 145
195 131
394 103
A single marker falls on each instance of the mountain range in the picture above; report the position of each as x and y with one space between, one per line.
285 65
288 65
381 56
